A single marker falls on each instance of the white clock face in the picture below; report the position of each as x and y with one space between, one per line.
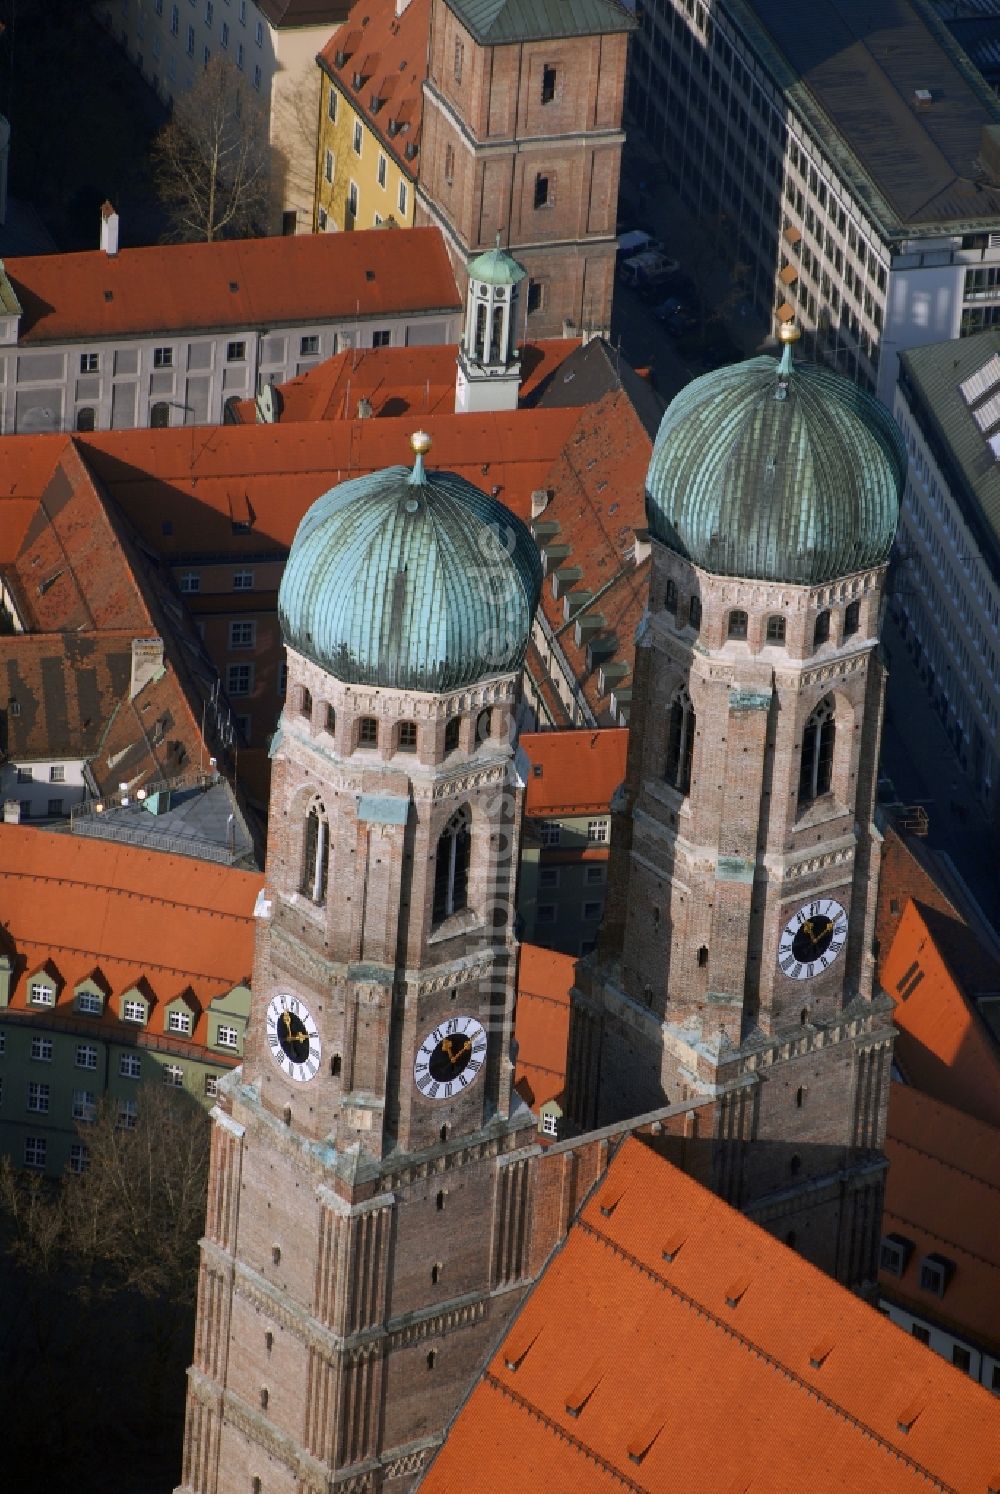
812 938
293 1037
450 1058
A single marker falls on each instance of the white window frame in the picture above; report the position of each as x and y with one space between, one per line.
242 634
211 1086
173 1074
243 580
189 583
35 1151
357 138
179 1022
127 1115
86 1056
597 832
239 679
41 1049
402 197
331 106
163 357
39 1095
134 1010
227 1037
550 1124
90 363
129 1066
89 1003
84 1105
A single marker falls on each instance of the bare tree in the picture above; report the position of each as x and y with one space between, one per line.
211 158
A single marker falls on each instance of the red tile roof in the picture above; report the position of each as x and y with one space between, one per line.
77 905
943 1194
542 1023
943 1047
573 772
396 381
599 479
270 282
66 687
627 1370
389 51
179 487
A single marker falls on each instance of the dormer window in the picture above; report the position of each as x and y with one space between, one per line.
134 1010
935 1273
894 1253
179 1022
42 993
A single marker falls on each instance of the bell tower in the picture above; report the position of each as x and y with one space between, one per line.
489 359
365 1160
737 956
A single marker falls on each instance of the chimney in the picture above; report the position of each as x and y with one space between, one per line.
147 663
109 229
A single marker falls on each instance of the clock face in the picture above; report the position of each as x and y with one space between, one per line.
293 1037
812 938
449 1058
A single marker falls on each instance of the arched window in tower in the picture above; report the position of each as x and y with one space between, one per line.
368 732
316 858
451 732
680 741
694 613
451 866
305 702
821 632
484 726
776 629
738 623
670 596
480 343
816 765
852 618
407 736
496 338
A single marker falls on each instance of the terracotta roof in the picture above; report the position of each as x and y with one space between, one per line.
573 772
389 53
395 381
628 1370
80 905
943 1047
541 1026
943 1194
178 487
58 691
599 481
172 288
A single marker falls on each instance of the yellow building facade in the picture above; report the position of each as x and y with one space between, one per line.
366 162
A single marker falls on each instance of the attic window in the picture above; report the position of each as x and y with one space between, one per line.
908 1416
583 1390
894 1253
517 1347
736 1291
609 1201
935 1273
369 274
234 286
109 295
537 769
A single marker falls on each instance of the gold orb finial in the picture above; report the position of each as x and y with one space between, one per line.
420 443
789 332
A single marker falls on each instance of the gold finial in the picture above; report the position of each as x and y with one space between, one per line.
420 443
789 332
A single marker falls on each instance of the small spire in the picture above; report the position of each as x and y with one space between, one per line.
420 444
788 334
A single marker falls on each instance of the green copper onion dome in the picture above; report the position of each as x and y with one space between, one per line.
496 267
778 472
413 580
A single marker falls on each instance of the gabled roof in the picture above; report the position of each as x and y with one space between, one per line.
943 1195
184 926
943 1047
495 22
389 53
629 1369
573 772
238 283
541 1030
594 369
396 381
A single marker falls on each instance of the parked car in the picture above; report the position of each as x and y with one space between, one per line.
647 269
635 241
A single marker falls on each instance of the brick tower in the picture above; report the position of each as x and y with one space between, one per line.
522 137
737 956
365 1217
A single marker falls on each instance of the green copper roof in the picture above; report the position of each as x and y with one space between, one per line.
496 267
493 22
777 472
411 580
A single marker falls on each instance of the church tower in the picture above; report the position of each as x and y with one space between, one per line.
522 136
364 1233
489 358
737 962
